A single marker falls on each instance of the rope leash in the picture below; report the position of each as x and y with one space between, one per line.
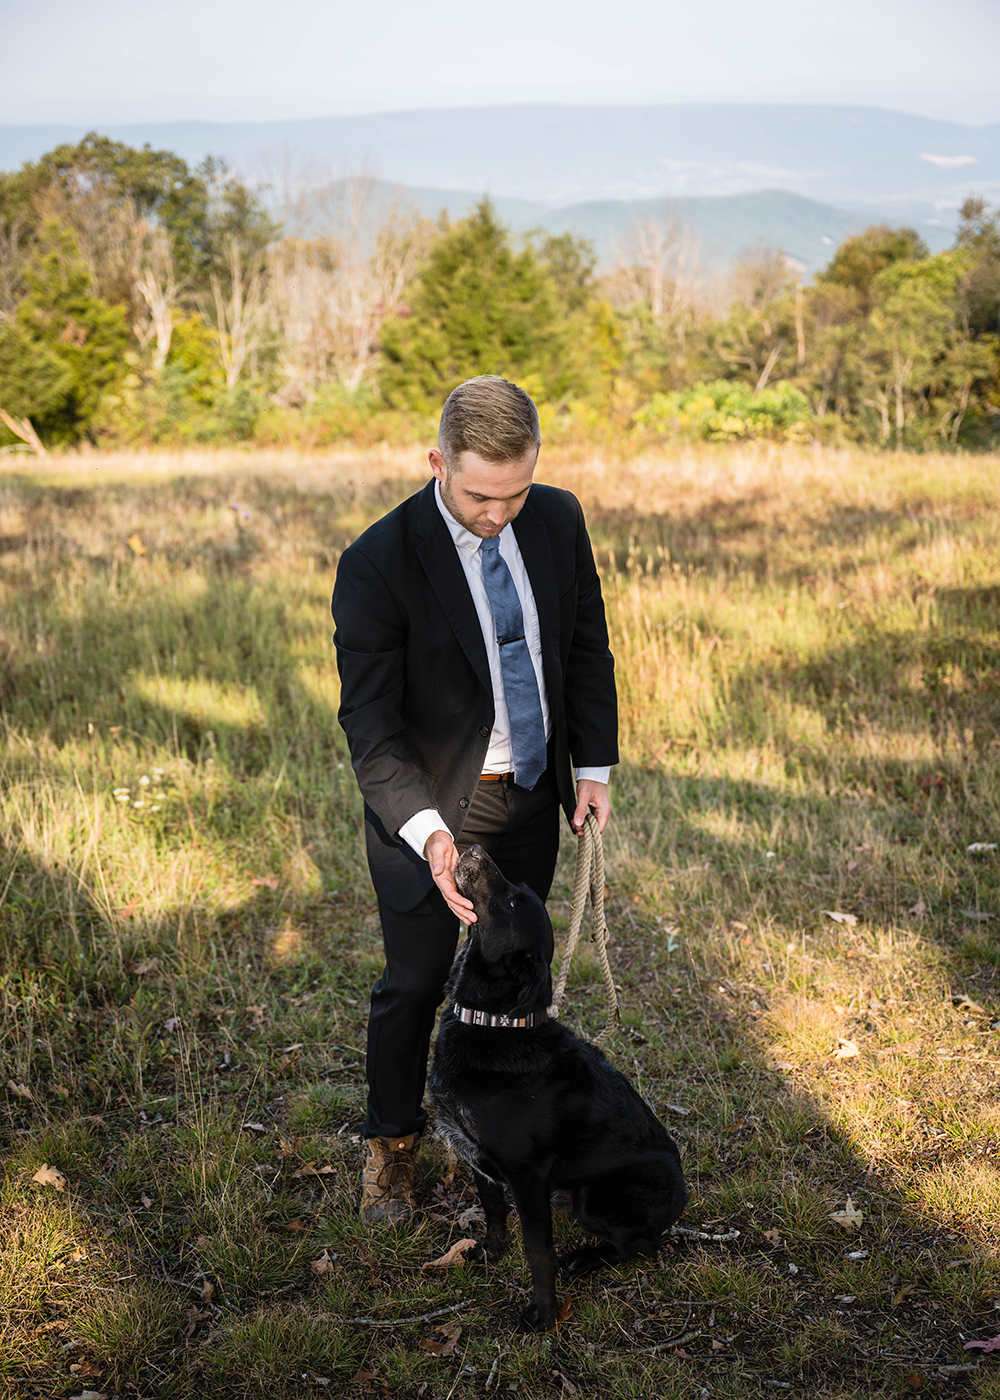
589 881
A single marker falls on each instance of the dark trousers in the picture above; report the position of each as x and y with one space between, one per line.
520 830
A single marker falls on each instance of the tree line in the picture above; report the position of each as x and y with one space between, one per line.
143 301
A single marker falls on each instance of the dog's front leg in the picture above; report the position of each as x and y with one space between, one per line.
493 1199
532 1198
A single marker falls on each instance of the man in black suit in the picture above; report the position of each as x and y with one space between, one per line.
442 723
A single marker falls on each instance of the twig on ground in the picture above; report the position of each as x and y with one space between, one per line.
691 1234
404 1321
680 1340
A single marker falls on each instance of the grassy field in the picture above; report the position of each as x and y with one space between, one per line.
803 898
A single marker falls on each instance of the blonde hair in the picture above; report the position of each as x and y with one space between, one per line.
490 416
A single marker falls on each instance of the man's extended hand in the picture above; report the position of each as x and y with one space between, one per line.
591 797
442 857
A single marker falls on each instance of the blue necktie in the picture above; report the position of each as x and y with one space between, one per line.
520 688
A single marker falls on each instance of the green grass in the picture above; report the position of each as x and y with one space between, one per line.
807 653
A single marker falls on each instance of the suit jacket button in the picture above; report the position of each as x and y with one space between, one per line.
484 730
463 802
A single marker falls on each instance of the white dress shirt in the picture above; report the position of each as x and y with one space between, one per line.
499 757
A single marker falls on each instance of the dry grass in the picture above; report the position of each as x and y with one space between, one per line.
808 650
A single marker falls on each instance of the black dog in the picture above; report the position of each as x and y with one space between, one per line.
526 1103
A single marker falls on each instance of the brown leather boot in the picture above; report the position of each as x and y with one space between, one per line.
387 1180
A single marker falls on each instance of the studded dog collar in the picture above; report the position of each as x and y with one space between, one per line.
483 1018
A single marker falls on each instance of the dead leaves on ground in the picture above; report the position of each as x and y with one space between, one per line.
850 1217
993 1344
50 1176
454 1258
449 1332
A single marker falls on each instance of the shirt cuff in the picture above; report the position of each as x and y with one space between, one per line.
594 775
421 825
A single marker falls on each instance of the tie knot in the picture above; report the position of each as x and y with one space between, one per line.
491 545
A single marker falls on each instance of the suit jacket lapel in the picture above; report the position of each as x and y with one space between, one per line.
536 551
439 558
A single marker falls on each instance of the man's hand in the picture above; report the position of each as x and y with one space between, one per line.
591 797
442 857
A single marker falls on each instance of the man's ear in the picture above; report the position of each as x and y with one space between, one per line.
437 464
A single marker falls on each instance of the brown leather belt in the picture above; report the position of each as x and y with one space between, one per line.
496 777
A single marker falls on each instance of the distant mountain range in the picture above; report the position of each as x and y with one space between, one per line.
795 176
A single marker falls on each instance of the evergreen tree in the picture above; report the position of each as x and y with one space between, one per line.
65 347
479 307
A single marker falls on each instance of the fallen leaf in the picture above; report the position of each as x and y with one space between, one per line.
324 1264
850 1217
965 1003
85 1368
59 1324
21 1090
254 1128
78 1256
676 1108
976 915
472 1215
296 1226
136 545
311 1169
89 1395
454 1257
150 965
839 917
194 1316
173 1024
568 1387
50 1176
993 1344
363 1377
565 1310
978 846
147 1201
783 1064
773 1236
735 923
846 1298
268 881
846 1050
207 1291
450 1333
918 910
904 1292
287 1049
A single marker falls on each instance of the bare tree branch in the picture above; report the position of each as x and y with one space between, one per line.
21 427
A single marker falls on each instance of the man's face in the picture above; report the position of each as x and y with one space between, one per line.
484 496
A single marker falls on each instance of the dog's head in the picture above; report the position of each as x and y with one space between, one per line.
504 966
509 918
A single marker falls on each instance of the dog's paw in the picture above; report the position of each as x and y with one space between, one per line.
531 1320
490 1249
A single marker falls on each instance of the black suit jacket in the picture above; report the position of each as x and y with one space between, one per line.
416 696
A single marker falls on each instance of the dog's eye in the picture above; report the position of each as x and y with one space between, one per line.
513 901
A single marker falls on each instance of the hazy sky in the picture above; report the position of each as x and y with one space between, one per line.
143 60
